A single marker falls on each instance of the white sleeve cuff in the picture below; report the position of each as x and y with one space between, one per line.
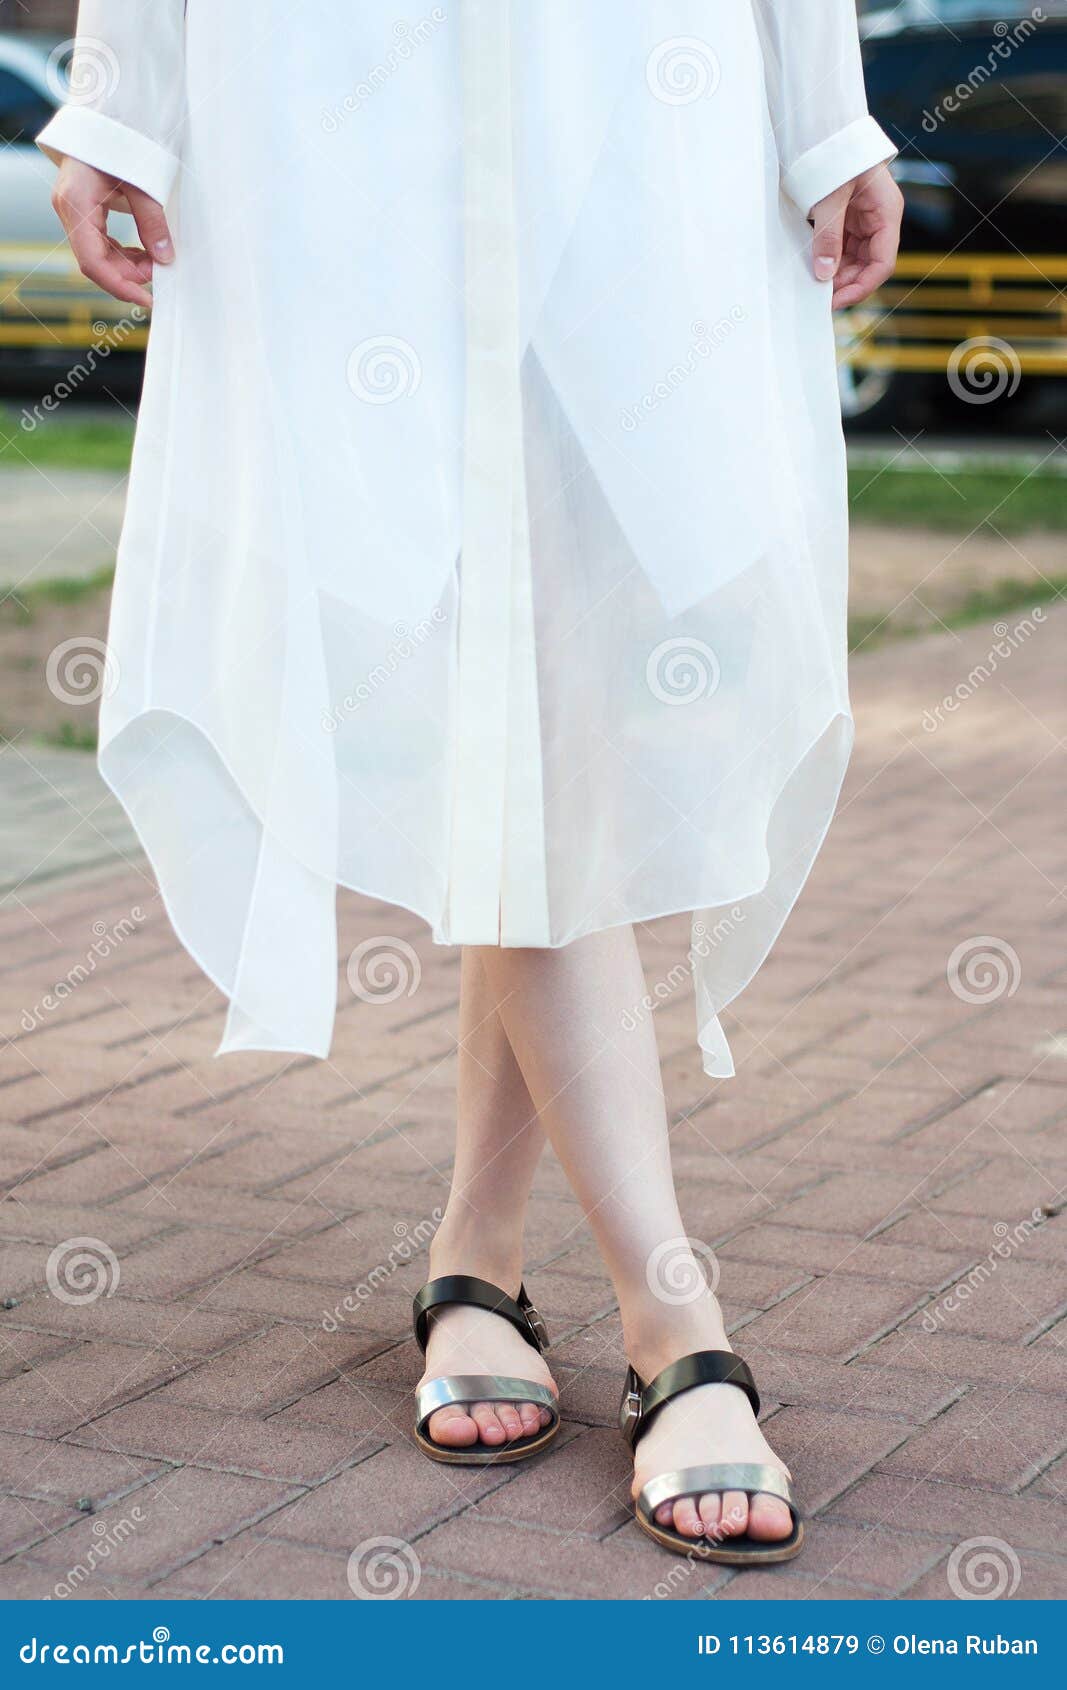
835 161
77 132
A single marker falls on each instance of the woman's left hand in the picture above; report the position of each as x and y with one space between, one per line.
857 236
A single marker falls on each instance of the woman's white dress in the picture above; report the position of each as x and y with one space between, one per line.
486 541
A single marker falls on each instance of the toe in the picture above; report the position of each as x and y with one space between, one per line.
453 1427
531 1419
489 1428
710 1509
733 1521
769 1519
508 1415
686 1518
665 1514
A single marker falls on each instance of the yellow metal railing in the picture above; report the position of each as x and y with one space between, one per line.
46 303
937 303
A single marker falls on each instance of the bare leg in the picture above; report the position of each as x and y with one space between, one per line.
499 1141
599 1092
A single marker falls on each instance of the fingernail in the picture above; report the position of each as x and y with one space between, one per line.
826 269
163 250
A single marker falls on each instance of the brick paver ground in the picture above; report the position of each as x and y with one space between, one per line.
223 1424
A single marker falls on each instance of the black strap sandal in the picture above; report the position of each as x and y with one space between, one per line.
471 1388
640 1405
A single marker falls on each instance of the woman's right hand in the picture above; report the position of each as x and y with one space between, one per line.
82 198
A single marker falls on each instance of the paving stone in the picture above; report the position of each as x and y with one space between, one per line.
1040 1580
66 1390
173 1327
51 1471
267 1449
250 1567
396 1493
268 1371
26 1521
999 1438
584 1488
831 1319
936 1509
165 1523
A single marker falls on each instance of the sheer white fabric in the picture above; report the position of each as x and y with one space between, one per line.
486 542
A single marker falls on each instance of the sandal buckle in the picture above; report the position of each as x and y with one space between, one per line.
537 1326
630 1414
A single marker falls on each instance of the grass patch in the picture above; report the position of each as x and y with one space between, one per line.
67 441
1000 498
988 604
68 737
22 605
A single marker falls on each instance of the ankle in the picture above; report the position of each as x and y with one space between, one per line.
468 1243
657 1333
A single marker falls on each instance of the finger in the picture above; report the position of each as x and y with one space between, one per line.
152 226
853 290
100 263
829 243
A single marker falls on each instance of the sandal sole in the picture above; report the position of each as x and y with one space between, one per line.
763 1554
473 1456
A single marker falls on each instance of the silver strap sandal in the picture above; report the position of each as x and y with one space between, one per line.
471 1388
641 1403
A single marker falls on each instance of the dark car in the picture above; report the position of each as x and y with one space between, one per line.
975 95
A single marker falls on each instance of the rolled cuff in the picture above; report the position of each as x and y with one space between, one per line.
77 132
837 160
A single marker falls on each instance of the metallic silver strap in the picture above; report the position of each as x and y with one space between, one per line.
474 1387
755 1479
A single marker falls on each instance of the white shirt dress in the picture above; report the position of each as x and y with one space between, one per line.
486 544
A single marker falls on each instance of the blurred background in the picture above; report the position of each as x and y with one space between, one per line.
954 382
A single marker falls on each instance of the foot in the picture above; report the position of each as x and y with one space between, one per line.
708 1425
468 1340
